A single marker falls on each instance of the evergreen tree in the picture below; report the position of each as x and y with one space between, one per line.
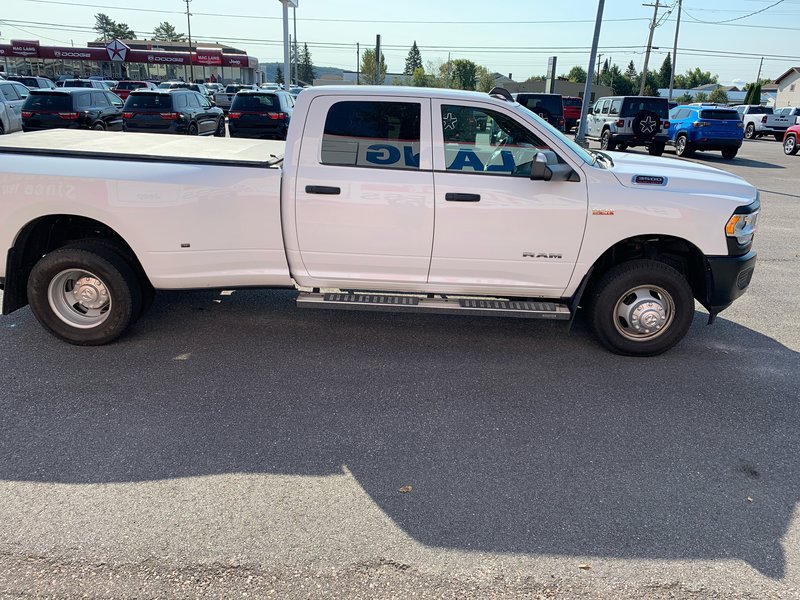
108 29
166 32
631 72
305 67
665 72
413 60
368 68
604 70
279 75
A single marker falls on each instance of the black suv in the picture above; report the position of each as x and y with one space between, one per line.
549 107
178 111
72 109
260 114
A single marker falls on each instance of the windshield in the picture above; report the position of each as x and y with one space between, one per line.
540 103
130 85
265 102
149 101
171 85
582 153
77 83
573 102
633 106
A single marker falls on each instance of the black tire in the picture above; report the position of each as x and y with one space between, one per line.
645 125
656 149
730 153
622 147
220 132
607 141
790 144
99 264
683 147
2 129
192 129
778 137
749 131
99 126
621 288
148 291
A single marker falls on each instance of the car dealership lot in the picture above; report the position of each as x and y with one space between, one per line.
233 444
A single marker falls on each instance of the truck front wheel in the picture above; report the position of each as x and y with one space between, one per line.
641 308
87 297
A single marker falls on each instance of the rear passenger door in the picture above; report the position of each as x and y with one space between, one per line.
364 190
13 100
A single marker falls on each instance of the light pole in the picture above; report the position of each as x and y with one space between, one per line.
580 137
189 27
287 73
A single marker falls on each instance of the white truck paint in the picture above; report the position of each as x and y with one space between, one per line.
516 222
781 119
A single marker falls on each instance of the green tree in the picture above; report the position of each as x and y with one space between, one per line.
413 60
576 75
533 78
369 69
465 72
305 67
651 84
485 80
718 96
419 78
279 75
165 32
604 70
108 29
701 97
631 72
694 78
683 99
753 95
665 72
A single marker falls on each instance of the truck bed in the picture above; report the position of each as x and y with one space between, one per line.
146 147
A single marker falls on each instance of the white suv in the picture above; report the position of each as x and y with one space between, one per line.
623 121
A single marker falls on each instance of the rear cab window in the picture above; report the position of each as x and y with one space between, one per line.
372 133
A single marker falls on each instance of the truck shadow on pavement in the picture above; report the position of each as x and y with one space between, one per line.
514 437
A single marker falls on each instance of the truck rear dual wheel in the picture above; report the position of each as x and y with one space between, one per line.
86 295
641 308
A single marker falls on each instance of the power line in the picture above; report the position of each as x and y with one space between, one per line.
736 18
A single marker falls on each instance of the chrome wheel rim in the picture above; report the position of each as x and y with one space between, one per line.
788 145
748 132
644 313
604 141
79 298
680 145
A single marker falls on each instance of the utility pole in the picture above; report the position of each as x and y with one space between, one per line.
674 53
189 27
580 137
761 64
287 73
599 58
296 56
378 60
649 46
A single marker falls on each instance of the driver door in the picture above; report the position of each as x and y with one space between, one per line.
496 231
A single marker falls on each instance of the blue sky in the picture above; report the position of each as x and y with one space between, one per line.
508 36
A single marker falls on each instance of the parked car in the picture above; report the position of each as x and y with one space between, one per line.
779 121
214 87
629 121
224 99
177 111
572 111
83 83
124 88
260 114
693 128
33 82
752 116
549 107
790 139
195 87
72 108
10 107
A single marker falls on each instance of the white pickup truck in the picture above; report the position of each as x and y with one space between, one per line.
780 120
381 198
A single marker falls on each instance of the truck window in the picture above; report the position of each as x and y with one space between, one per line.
478 140
615 106
372 134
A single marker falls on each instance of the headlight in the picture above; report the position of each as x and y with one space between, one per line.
741 227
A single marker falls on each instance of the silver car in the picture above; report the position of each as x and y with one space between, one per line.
12 97
624 121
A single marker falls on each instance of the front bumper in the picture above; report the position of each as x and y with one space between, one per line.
727 278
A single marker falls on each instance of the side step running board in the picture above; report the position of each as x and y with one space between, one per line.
448 306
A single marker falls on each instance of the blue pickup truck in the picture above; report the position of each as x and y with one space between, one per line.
693 128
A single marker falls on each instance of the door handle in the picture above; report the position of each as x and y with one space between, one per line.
454 197
323 189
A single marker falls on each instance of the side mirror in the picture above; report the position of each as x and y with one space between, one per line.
547 168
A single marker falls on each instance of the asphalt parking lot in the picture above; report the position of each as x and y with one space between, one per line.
234 445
